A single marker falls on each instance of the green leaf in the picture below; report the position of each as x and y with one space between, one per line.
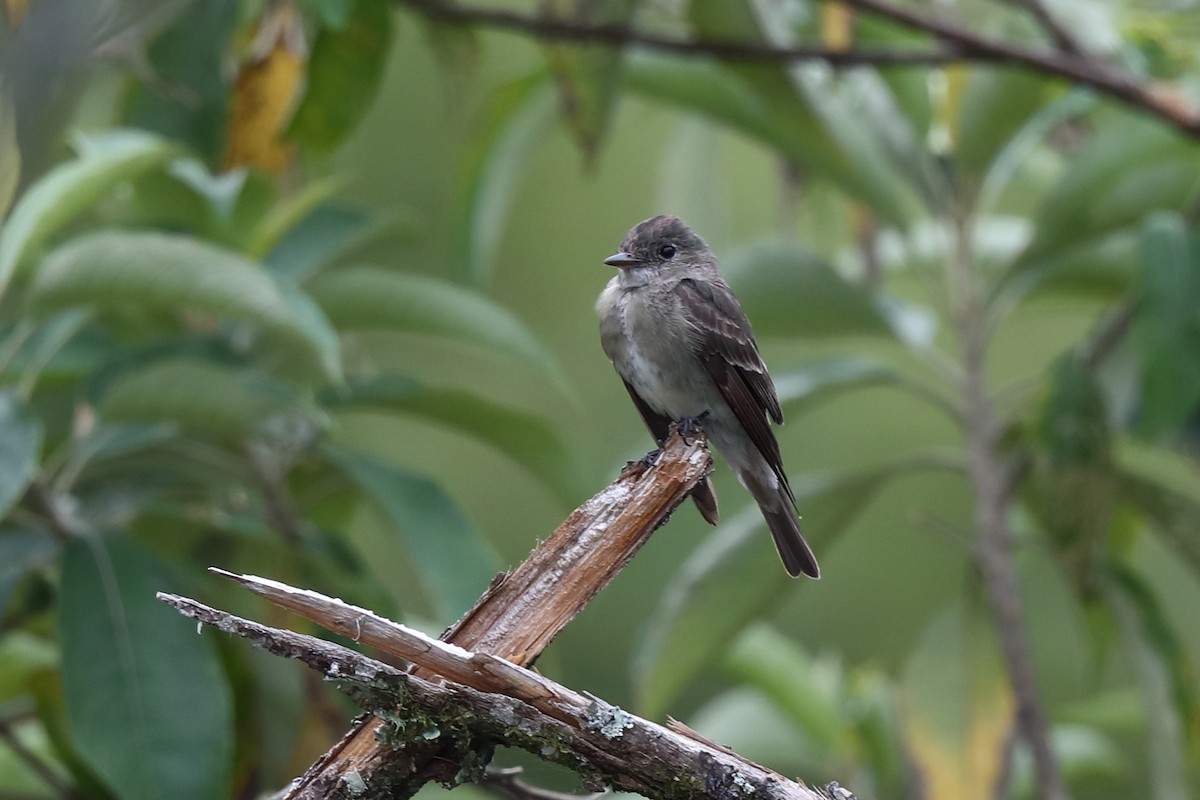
284 215
731 579
996 102
523 437
344 75
68 189
1131 167
1166 330
788 291
147 703
201 396
22 656
455 565
814 381
1071 489
170 273
1156 633
366 298
188 98
1174 514
326 233
588 75
494 162
21 551
110 441
801 688
20 447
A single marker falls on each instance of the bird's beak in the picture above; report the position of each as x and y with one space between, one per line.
621 260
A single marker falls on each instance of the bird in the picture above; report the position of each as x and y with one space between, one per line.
680 341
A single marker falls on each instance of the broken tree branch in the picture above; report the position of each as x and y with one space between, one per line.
520 613
482 696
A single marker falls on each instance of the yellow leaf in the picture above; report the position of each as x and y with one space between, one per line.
837 26
265 93
957 708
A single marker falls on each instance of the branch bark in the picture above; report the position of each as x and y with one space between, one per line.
957 45
479 695
520 613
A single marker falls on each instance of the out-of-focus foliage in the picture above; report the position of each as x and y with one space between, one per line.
291 287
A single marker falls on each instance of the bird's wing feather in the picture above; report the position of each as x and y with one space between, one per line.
723 341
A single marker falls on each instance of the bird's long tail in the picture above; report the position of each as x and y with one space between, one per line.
785 530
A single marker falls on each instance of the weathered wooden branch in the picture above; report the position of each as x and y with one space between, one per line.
515 619
474 695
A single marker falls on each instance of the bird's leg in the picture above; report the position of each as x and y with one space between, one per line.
649 459
688 426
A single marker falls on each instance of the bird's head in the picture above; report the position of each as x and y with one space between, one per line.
660 243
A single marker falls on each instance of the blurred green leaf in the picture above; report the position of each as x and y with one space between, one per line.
148 706
454 563
109 441
1071 488
523 437
588 75
1167 324
995 104
326 233
788 291
20 447
21 551
366 298
284 215
344 74
1130 167
201 396
717 92
171 273
711 599
68 189
183 91
494 162
957 707
1174 514
22 655
807 691
814 381
1154 630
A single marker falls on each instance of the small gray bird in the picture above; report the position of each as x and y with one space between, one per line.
682 344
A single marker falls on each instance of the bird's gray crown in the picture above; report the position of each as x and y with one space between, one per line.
647 238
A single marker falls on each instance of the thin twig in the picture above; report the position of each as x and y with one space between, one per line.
503 782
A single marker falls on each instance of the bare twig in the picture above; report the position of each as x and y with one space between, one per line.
958 45
522 611
504 782
484 696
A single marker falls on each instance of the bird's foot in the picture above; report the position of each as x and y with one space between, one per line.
690 426
649 459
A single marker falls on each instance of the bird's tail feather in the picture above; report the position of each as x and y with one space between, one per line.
785 530
705 498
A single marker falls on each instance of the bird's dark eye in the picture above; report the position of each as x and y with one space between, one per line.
667 251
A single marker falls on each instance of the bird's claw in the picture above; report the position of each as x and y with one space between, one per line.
649 459
690 426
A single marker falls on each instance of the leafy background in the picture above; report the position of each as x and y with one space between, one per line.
305 289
